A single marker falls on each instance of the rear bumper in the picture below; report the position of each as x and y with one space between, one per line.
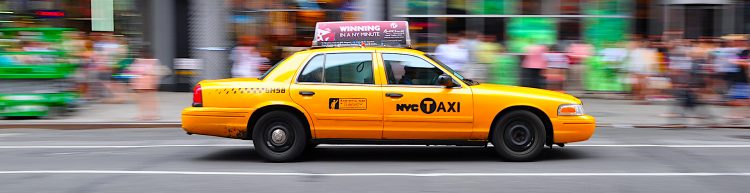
573 128
220 122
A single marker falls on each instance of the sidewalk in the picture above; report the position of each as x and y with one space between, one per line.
112 115
624 113
608 112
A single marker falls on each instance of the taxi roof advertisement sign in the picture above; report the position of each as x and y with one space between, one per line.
356 33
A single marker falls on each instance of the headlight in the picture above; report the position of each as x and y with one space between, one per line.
570 110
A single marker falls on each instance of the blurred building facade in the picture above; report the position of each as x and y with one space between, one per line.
517 22
208 29
692 19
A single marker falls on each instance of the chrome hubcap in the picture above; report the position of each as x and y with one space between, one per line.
519 136
278 136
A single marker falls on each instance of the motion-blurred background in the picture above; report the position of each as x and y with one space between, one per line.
64 53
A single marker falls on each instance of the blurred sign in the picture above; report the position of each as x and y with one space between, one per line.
187 71
242 19
187 64
367 33
524 32
102 15
49 13
719 2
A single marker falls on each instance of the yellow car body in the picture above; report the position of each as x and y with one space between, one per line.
354 113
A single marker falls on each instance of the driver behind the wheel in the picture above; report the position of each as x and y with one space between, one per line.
410 74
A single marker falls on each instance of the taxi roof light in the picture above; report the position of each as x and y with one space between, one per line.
361 34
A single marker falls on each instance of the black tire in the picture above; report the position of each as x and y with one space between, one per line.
311 146
519 136
279 123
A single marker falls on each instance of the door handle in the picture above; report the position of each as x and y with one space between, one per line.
306 93
394 95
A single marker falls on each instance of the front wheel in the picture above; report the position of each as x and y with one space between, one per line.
519 136
279 136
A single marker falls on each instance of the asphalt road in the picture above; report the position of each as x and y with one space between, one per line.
167 160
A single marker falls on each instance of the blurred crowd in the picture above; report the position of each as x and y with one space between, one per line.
690 72
108 70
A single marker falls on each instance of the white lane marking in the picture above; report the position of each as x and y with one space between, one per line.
116 146
366 174
10 134
573 145
63 153
326 145
673 146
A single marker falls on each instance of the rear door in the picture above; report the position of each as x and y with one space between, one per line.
339 91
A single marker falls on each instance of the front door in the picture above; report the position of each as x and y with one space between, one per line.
339 92
416 107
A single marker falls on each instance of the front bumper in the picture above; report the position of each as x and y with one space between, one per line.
573 128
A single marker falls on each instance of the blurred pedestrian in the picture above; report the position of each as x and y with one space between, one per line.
533 66
739 91
703 69
687 85
613 57
488 53
723 61
471 41
247 59
640 65
578 52
453 54
107 53
147 72
557 67
78 46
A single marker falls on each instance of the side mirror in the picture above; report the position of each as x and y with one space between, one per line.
446 81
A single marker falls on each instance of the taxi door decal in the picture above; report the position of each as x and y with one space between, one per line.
347 103
429 106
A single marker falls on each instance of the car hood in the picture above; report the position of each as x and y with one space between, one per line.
525 92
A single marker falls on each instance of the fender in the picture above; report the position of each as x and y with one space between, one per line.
286 103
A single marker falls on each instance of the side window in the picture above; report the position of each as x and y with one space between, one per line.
410 70
313 71
349 68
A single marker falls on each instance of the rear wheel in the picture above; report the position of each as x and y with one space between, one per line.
279 136
519 136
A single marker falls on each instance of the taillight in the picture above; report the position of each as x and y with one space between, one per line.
197 96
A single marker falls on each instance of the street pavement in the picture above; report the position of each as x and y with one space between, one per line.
167 160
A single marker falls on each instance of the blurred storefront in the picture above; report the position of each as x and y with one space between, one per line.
551 21
692 19
517 24
280 27
286 26
127 16
208 29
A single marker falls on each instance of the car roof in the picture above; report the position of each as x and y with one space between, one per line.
369 49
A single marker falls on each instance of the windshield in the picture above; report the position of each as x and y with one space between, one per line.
454 72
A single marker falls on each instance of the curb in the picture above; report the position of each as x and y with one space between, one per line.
667 126
89 125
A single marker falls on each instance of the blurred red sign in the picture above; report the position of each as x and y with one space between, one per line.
51 13
357 33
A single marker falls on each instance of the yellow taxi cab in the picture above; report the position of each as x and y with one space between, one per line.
380 95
